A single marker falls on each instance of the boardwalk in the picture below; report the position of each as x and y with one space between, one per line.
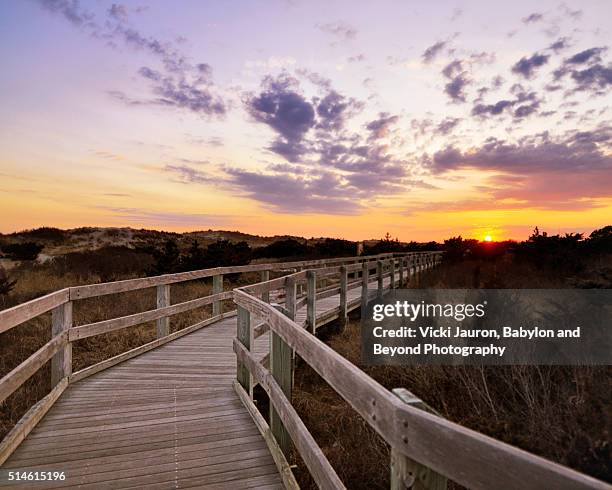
179 412
168 418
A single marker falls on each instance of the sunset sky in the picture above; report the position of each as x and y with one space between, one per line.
347 119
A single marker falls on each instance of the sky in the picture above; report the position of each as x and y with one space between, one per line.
347 119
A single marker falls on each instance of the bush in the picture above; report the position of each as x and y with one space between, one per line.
108 263
22 251
333 247
6 285
44 233
283 248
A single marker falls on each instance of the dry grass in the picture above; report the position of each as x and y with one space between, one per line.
559 412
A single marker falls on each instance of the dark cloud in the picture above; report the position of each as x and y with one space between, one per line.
339 29
380 127
577 152
433 51
286 111
571 172
178 83
324 157
118 12
524 104
447 126
458 81
533 18
69 9
177 91
290 193
334 109
560 44
528 66
595 78
588 55
497 82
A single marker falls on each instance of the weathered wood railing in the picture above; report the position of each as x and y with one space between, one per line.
63 330
425 449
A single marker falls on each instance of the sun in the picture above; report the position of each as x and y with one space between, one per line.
488 238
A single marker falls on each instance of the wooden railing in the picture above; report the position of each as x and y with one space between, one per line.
63 330
426 449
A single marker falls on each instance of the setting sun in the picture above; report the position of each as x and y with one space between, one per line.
488 238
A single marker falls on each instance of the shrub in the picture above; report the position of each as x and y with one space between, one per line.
283 248
22 251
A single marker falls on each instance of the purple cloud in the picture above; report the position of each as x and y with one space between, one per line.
433 51
527 67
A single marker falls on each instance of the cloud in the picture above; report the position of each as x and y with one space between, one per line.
447 126
118 12
560 44
289 193
433 51
528 66
524 104
357 58
339 29
177 91
178 83
572 14
569 172
588 55
284 110
595 78
69 9
458 81
380 127
457 12
186 174
323 157
578 152
533 18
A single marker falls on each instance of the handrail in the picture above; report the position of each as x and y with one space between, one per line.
463 455
64 332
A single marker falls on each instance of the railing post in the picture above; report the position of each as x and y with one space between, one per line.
265 276
365 278
290 297
311 301
343 297
163 300
217 288
281 368
405 472
61 362
244 334
401 272
392 270
379 277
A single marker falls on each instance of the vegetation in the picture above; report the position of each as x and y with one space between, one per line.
559 412
22 251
